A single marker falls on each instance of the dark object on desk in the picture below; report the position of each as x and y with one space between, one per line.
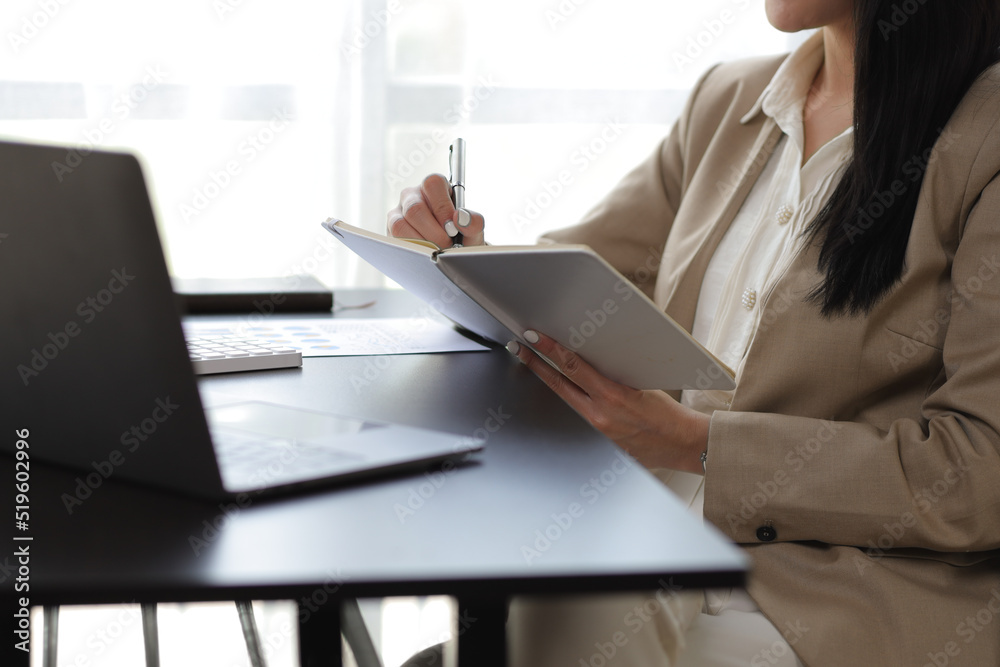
100 377
296 293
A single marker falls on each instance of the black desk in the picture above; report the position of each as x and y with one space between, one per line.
551 506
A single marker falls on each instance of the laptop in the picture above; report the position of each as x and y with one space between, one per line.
95 364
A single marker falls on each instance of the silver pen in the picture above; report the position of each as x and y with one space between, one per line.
456 167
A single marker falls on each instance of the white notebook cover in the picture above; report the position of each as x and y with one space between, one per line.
565 291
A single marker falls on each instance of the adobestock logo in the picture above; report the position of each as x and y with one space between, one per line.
218 180
561 12
581 159
421 494
632 623
595 319
88 310
32 25
901 13
407 164
223 8
376 24
563 521
122 107
712 30
131 439
913 170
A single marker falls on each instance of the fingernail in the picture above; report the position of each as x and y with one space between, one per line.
531 336
464 218
450 230
513 347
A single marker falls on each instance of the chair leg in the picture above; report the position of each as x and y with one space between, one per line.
50 636
150 635
352 625
250 635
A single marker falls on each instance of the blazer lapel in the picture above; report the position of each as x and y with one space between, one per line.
718 199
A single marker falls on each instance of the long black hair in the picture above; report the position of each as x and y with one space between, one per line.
914 60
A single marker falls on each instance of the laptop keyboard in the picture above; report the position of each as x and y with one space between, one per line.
228 354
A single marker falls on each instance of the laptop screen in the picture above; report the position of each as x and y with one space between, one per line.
94 359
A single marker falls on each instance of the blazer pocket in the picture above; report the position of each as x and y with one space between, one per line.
958 559
914 359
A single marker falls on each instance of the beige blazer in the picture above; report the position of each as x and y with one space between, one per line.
859 465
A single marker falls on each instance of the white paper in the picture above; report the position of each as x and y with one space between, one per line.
343 336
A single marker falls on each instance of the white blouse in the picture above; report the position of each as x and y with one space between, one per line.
767 231
763 237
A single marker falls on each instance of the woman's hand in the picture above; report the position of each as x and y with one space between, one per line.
424 212
651 426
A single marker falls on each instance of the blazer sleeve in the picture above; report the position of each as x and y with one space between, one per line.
629 227
930 482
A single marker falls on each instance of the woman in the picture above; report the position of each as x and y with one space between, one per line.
830 228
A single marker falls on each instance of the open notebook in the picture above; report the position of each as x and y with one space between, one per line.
565 291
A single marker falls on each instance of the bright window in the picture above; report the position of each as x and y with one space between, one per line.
257 119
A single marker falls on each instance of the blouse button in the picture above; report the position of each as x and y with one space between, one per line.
749 298
784 214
